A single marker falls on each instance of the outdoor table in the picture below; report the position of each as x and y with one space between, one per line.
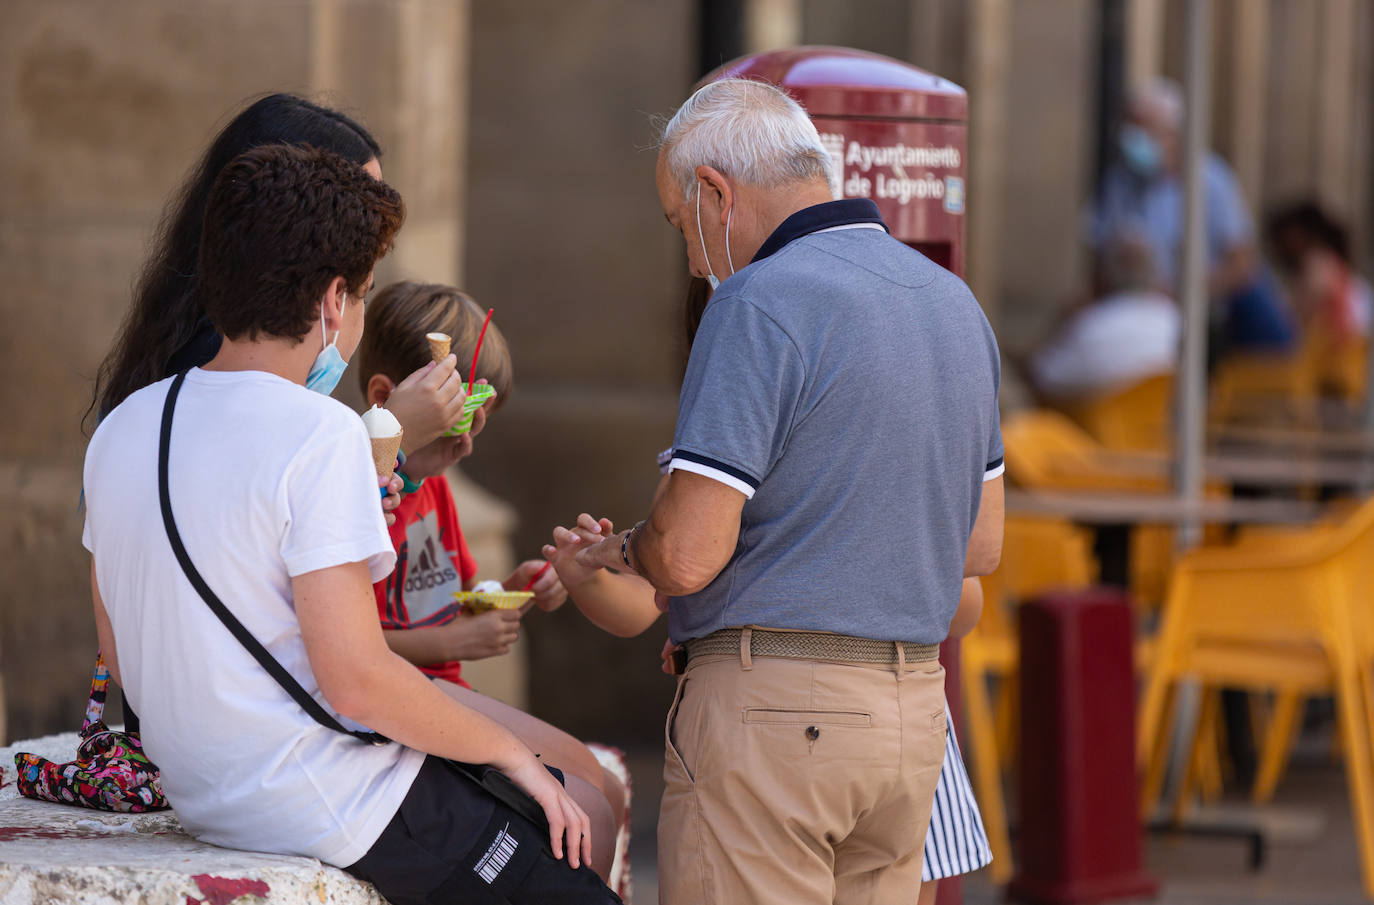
1328 442
1291 470
1271 469
1112 515
1106 509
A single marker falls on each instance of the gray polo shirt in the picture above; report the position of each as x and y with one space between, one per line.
847 386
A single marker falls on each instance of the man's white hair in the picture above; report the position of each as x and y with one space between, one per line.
748 130
1160 99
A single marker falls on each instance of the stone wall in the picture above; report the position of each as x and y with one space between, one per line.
103 108
567 242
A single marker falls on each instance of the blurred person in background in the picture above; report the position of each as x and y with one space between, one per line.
1334 300
1312 252
1129 333
1141 195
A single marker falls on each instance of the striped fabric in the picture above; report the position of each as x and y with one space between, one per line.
955 843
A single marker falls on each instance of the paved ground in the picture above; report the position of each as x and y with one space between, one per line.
1318 867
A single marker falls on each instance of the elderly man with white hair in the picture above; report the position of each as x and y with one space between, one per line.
1141 199
837 432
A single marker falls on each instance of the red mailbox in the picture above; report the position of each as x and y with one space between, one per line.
896 134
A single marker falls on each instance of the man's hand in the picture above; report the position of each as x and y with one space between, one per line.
567 542
489 634
549 593
604 554
428 402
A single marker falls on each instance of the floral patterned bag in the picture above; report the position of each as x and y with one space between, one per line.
110 773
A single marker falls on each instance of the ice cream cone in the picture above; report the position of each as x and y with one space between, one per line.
438 345
384 450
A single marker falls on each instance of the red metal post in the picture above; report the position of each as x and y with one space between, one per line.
1080 833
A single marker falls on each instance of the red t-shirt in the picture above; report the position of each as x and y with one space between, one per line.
432 561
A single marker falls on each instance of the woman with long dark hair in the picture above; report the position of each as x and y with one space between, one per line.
166 330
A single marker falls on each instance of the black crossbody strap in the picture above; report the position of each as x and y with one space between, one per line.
236 628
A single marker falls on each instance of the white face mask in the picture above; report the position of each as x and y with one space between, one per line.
711 274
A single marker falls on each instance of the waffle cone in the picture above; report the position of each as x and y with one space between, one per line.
438 345
384 450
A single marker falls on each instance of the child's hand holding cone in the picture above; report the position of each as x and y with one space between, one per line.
385 432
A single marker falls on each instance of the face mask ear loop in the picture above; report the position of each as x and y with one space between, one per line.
324 339
343 300
702 236
728 258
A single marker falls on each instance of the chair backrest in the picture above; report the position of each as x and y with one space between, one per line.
1334 365
1355 555
1042 446
1251 608
1252 384
1136 417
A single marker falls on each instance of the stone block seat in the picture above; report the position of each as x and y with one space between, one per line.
53 853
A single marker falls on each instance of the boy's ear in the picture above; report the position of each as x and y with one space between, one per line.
379 387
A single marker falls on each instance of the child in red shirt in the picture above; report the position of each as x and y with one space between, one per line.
420 619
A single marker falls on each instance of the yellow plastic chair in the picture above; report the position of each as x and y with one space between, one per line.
1046 450
1264 387
1280 724
1334 366
1292 621
1136 417
1037 555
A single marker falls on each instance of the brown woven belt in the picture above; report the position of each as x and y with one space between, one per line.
810 646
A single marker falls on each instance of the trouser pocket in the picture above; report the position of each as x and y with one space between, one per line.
672 753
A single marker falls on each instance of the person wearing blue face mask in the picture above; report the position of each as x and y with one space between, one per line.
233 480
810 539
329 365
1141 198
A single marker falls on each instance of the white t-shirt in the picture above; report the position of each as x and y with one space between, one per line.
268 480
1122 338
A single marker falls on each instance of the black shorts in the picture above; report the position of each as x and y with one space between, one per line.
429 853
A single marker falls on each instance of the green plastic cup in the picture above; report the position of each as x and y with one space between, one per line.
477 397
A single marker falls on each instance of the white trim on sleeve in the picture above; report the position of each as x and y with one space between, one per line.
714 474
994 472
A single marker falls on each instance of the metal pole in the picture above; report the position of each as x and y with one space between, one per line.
1191 404
1111 81
720 32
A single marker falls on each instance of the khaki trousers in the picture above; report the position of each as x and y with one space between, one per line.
799 781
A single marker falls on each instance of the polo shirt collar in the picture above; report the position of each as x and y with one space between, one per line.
829 214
